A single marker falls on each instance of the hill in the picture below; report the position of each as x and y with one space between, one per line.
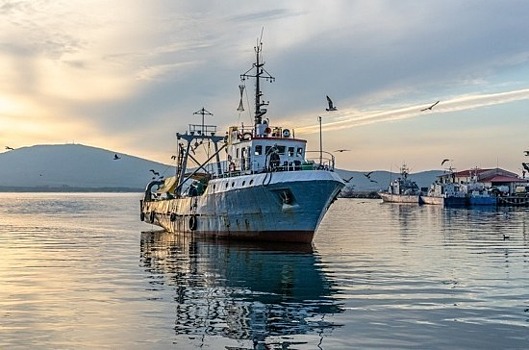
74 167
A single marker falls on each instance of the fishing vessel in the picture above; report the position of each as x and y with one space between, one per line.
445 194
402 189
255 183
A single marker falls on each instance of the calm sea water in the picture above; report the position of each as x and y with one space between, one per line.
77 272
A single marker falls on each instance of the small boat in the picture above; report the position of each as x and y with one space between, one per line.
445 194
402 189
478 195
253 183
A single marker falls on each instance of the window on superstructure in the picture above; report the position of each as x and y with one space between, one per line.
291 151
281 149
258 150
300 152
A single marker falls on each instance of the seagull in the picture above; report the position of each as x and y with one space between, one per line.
332 107
342 150
368 175
505 237
116 157
525 166
445 160
347 181
430 108
154 172
9 148
371 180
173 157
526 153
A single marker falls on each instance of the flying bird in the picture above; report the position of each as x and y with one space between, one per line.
155 173
371 180
332 107
116 157
349 179
342 150
526 153
444 161
525 166
430 108
368 175
9 148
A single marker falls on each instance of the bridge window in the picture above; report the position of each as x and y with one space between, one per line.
281 149
300 151
291 151
258 150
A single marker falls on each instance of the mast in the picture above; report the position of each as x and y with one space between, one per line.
258 74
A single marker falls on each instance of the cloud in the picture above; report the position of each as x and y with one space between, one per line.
349 118
143 67
266 15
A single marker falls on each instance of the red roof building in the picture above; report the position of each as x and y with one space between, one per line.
491 178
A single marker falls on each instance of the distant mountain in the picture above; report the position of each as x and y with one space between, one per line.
75 167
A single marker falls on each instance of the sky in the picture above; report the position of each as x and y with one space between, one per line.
126 75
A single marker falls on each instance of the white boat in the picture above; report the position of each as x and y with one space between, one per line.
256 183
445 194
402 189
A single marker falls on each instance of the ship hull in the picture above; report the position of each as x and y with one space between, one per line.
482 201
444 201
399 198
281 206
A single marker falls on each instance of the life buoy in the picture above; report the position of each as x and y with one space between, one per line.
232 167
247 136
286 133
193 222
151 217
172 217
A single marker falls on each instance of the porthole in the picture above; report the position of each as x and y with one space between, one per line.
251 182
244 183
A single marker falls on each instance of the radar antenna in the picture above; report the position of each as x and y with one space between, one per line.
203 112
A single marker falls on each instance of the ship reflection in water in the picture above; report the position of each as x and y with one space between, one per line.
242 291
